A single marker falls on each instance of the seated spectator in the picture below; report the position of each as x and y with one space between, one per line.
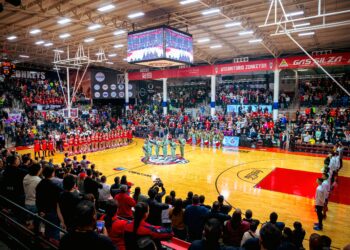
176 215
139 234
298 235
251 233
234 229
211 237
273 220
195 218
125 203
215 213
223 208
84 236
114 225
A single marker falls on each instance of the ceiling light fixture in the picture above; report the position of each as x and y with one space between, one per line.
296 13
99 54
23 56
109 62
64 21
106 7
255 41
48 44
211 11
34 31
40 42
112 55
125 59
216 46
135 15
301 25
233 24
118 32
11 38
307 33
65 35
203 40
94 26
89 40
247 32
118 46
188 1
58 50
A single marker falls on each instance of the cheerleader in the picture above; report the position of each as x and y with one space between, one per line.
70 144
36 148
76 145
66 145
129 135
51 147
44 146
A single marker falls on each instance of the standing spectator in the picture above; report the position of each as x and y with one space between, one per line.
166 222
251 233
104 193
270 237
194 219
67 202
84 236
47 195
215 213
234 229
114 225
115 186
176 215
223 208
188 200
298 235
139 234
273 220
125 203
30 182
248 216
13 180
90 185
155 208
138 197
319 203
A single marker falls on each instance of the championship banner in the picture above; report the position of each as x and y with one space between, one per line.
245 108
296 62
231 141
293 62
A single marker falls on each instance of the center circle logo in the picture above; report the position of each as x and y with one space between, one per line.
113 87
97 87
120 86
105 94
97 95
104 86
100 77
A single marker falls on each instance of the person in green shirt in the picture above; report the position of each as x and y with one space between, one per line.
146 150
157 145
182 142
165 146
173 148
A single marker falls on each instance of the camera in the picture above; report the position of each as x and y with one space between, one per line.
158 181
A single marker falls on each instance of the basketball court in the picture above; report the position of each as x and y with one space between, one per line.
260 180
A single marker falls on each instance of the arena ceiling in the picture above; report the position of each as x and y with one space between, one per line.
37 21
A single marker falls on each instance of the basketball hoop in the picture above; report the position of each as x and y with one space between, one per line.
79 62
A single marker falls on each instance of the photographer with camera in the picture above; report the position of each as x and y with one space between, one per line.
155 205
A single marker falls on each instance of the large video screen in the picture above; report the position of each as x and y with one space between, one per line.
145 45
178 46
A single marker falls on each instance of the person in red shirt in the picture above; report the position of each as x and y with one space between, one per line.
129 135
36 148
71 143
140 228
114 225
125 203
76 144
44 146
51 147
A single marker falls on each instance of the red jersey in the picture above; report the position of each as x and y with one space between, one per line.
36 145
44 144
51 145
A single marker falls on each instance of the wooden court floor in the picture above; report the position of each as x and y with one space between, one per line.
233 174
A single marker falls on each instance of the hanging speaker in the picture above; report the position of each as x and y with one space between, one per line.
14 2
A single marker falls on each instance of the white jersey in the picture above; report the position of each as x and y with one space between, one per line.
320 196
